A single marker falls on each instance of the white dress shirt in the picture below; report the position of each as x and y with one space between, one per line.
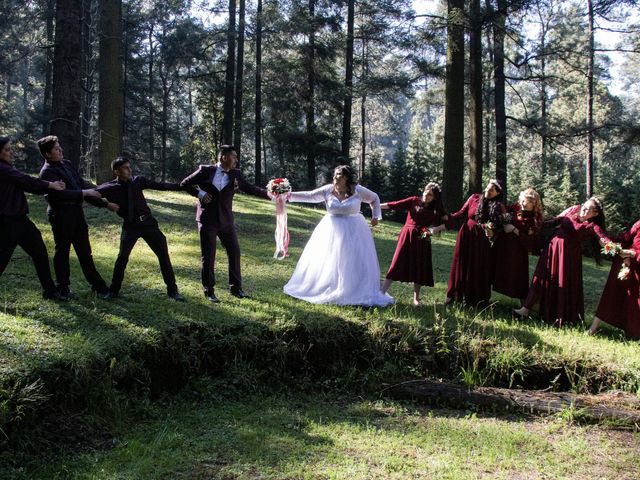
220 179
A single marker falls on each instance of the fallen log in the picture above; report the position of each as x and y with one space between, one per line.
616 408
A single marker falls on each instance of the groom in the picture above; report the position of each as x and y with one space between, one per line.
214 215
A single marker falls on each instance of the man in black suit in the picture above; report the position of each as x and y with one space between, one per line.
15 226
126 191
66 216
214 214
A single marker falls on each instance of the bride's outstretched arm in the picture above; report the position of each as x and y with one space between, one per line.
372 199
312 196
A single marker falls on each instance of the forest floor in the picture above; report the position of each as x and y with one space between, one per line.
270 387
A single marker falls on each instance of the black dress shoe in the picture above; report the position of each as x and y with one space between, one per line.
109 295
237 292
54 295
176 296
211 296
65 293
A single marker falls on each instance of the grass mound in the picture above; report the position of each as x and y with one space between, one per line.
89 354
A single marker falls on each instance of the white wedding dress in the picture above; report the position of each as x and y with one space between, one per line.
339 264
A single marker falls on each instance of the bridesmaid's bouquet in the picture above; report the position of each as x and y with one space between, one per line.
624 272
279 189
611 248
425 233
489 230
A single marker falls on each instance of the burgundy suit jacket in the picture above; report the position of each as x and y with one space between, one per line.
219 211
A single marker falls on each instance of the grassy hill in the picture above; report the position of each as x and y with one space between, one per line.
84 353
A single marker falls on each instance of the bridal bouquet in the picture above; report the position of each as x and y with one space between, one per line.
279 189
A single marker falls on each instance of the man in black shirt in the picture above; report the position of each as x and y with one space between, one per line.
126 191
15 226
66 216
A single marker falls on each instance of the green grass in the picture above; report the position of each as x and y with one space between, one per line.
80 354
298 436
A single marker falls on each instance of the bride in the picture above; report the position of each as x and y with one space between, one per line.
339 264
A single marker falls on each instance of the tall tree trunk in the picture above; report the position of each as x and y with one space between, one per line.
164 122
589 165
543 96
499 97
348 84
229 89
110 93
488 104
67 77
125 74
237 134
475 103
151 134
453 168
48 73
258 119
87 68
310 103
363 111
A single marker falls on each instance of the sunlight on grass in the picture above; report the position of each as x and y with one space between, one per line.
300 437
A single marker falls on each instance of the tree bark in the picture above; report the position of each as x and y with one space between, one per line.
310 103
48 75
151 134
363 112
499 97
67 78
89 78
475 102
110 93
544 98
453 168
258 104
348 84
229 90
589 165
237 135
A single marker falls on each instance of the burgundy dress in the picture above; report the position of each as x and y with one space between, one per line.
557 280
412 259
512 251
620 302
472 265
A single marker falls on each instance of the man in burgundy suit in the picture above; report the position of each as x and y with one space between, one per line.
214 215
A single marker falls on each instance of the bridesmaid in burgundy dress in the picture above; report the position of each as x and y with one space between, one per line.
412 259
620 302
472 265
512 249
557 280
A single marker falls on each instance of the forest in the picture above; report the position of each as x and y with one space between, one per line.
532 92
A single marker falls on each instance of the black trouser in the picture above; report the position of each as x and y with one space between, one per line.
229 240
20 230
156 240
70 228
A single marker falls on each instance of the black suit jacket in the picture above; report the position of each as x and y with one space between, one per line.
65 171
219 211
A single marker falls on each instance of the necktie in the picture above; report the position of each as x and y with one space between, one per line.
130 213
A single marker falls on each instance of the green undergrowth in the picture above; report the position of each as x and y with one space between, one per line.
90 355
